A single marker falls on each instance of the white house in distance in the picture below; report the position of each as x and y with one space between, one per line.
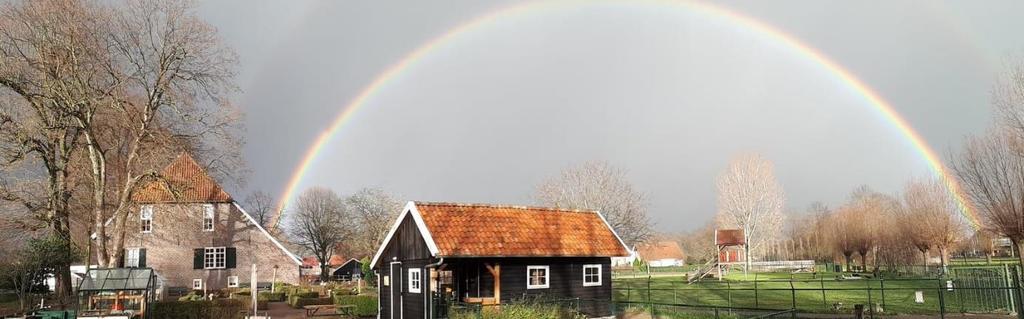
665 253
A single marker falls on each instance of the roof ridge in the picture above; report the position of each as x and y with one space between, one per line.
505 206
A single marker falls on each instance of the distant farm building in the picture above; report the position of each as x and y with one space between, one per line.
666 253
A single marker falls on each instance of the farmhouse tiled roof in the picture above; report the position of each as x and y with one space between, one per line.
666 249
478 230
182 181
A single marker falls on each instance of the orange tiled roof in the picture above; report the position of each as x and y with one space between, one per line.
182 181
474 230
334 261
661 250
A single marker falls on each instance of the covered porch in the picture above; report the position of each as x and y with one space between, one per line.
471 281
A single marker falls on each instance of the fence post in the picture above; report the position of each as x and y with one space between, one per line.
881 282
792 291
942 301
824 301
756 303
728 288
1009 288
871 307
1017 291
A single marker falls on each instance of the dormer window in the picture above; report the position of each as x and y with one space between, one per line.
208 217
147 218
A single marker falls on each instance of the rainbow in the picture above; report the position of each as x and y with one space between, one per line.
880 105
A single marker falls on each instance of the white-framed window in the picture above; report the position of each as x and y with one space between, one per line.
233 281
146 217
537 277
197 284
215 257
415 280
131 257
208 217
591 275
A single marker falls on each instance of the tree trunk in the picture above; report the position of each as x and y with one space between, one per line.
924 253
944 258
99 173
847 261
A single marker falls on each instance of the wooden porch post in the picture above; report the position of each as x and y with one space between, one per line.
496 273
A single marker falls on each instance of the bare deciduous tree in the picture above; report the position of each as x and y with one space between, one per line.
49 78
931 217
601 187
375 210
749 198
261 207
699 244
176 76
319 223
842 235
991 171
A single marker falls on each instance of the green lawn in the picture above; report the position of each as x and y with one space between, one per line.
780 290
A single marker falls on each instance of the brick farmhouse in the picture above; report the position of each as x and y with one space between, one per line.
195 236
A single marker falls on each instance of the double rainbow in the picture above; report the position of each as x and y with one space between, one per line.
877 103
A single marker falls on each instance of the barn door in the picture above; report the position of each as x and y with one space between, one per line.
396 290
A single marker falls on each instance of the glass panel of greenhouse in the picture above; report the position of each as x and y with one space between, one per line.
113 293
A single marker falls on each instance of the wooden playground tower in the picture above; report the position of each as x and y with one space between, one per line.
729 244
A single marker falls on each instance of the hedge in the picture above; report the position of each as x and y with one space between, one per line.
272 296
301 295
301 302
205 309
263 296
366 305
261 302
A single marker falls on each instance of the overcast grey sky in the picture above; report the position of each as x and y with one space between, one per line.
665 93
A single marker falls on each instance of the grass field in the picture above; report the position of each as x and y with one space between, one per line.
817 294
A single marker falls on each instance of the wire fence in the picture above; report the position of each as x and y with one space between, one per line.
990 290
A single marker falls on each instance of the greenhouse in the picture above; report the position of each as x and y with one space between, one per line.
116 293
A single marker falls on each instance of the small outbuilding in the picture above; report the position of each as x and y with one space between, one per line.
437 254
350 270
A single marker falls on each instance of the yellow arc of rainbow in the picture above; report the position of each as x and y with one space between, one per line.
757 27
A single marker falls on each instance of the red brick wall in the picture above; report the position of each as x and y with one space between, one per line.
177 231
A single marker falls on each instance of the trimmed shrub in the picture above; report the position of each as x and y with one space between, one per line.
205 309
344 291
301 302
191 296
272 296
366 305
301 295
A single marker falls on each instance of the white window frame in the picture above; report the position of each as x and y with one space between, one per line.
197 284
131 257
415 280
210 255
547 277
599 279
232 281
208 215
146 218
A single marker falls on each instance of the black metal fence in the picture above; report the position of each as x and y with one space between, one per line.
993 290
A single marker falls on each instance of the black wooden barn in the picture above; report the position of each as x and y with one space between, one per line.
350 270
437 254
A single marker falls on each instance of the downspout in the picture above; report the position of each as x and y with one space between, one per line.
430 296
